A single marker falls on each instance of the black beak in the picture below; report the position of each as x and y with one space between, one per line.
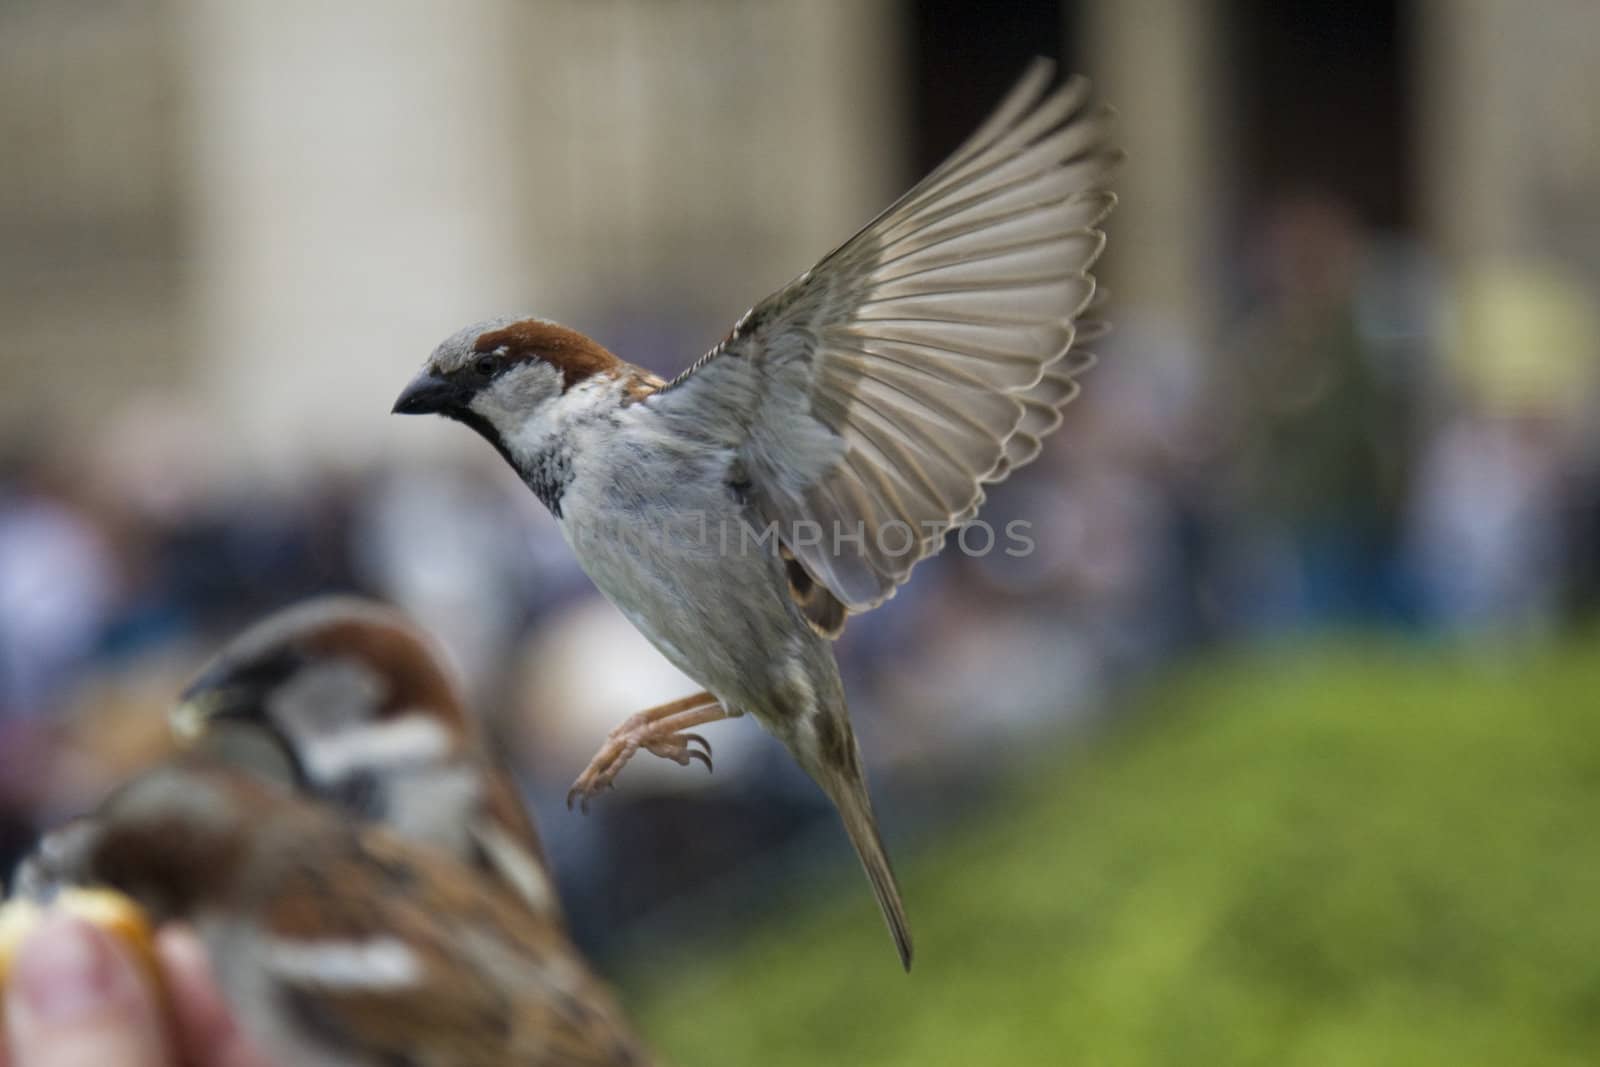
199 706
200 724
231 688
428 394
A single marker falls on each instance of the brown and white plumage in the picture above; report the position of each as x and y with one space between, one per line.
358 703
910 367
337 943
849 421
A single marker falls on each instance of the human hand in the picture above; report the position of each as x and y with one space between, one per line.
75 997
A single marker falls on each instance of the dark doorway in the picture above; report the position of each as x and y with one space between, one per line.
1322 97
965 54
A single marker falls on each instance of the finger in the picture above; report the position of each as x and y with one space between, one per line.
208 1034
76 999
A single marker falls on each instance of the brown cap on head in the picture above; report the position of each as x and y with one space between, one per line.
239 679
173 839
577 357
404 657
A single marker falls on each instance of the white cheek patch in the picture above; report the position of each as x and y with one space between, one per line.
432 804
404 741
511 400
325 694
377 965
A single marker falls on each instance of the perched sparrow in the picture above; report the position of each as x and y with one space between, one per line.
795 474
338 943
354 700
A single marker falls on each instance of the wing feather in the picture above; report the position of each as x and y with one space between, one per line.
500 984
924 358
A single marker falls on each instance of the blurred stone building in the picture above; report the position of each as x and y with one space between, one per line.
277 209
91 208
269 212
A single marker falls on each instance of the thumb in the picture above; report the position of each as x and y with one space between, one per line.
75 998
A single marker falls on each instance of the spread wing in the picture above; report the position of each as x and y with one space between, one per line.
925 357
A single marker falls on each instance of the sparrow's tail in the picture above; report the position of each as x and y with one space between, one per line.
847 788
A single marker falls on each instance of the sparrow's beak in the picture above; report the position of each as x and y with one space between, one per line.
198 710
217 694
225 724
428 394
188 722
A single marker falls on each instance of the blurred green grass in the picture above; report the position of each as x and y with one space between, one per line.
1361 854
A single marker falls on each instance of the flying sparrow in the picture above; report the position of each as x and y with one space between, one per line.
354 702
338 943
795 474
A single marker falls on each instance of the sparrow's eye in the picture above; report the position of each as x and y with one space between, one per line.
485 366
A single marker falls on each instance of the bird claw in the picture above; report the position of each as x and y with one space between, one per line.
682 749
592 782
679 748
601 774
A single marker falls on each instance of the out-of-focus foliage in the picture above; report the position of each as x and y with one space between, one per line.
1356 855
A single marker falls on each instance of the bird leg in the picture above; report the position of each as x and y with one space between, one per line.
660 730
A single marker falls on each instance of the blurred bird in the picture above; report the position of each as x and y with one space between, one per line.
339 943
352 702
795 474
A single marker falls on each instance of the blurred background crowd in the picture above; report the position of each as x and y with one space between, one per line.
1352 386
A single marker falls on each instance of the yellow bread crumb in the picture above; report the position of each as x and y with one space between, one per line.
105 908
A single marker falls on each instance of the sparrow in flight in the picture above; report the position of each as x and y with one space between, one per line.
793 476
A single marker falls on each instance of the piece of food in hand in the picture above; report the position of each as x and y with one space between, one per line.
108 909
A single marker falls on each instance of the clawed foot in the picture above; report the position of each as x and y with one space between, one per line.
660 731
